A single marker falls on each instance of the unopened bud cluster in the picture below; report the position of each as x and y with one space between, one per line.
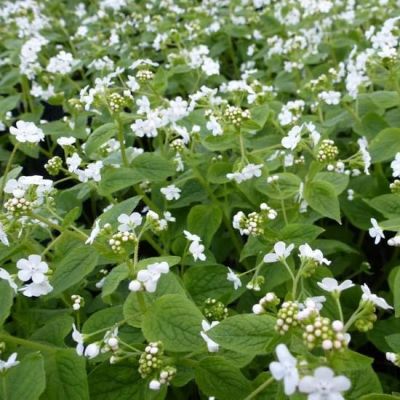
151 359
119 238
18 206
250 224
235 115
256 283
365 322
395 186
327 151
214 310
77 302
116 102
320 331
287 317
156 223
53 165
144 75
165 377
268 302
177 145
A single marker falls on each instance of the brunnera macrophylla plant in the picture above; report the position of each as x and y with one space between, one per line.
200 200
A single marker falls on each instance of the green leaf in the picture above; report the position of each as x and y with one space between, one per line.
25 381
176 321
120 382
217 377
6 300
114 179
72 268
338 181
9 103
299 233
245 333
204 221
385 145
103 318
396 293
54 331
387 204
99 136
153 167
321 197
113 279
204 281
286 186
65 376
394 342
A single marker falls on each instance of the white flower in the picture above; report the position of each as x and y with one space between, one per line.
11 362
154 384
129 222
132 83
324 385
214 126
171 192
285 369
73 162
32 268
196 249
232 277
293 138
330 97
92 171
393 241
27 132
312 305
92 350
62 63
191 236
66 140
280 252
332 285
78 339
148 278
37 289
7 277
373 298
395 165
3 236
376 231
307 252
212 346
366 157
93 234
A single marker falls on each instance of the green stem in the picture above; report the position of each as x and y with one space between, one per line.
121 140
254 393
353 317
7 170
26 343
339 306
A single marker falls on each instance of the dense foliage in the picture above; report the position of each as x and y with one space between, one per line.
199 199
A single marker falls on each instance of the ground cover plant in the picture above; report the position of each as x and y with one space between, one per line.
200 200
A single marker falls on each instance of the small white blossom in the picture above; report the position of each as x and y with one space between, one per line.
7 277
332 285
395 165
66 140
285 369
171 192
307 252
212 346
11 362
324 385
32 268
376 231
129 222
27 132
148 278
232 277
373 298
36 289
280 252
